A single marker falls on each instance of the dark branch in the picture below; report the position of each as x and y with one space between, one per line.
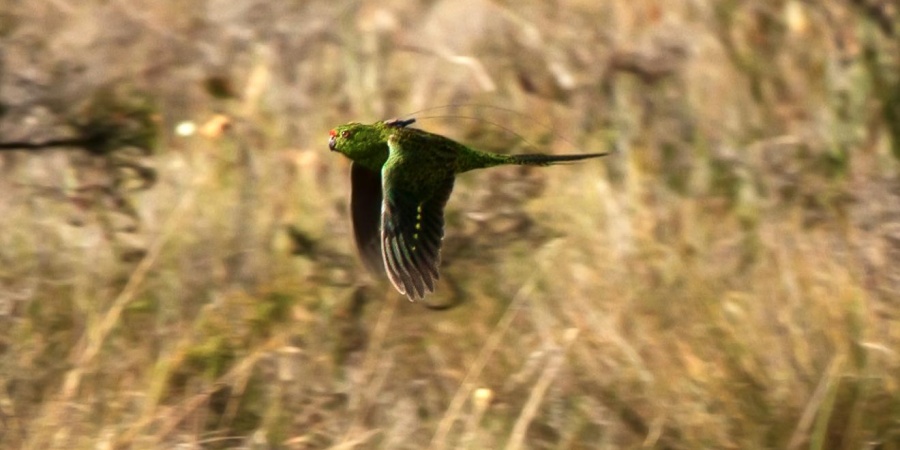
46 145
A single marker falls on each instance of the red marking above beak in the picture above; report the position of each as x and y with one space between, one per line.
332 133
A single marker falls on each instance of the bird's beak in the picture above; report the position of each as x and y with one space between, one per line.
331 139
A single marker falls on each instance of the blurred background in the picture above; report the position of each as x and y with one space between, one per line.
176 267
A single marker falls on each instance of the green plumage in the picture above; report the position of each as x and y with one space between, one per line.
401 180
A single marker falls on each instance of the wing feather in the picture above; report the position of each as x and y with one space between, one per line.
412 230
365 212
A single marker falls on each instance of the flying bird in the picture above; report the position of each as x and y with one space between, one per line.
401 178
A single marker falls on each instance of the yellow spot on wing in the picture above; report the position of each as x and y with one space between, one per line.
418 221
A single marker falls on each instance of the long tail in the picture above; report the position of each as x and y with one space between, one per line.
541 159
475 159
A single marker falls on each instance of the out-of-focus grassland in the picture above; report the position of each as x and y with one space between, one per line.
726 279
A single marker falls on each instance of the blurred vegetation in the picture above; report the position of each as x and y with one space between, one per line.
177 272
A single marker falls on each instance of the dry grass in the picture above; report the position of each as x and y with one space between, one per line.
726 280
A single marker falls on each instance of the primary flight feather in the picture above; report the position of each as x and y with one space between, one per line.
401 179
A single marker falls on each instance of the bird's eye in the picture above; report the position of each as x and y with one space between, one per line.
345 134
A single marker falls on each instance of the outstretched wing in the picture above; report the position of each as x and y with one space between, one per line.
412 228
365 211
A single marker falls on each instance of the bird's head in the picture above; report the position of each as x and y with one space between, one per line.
356 139
363 143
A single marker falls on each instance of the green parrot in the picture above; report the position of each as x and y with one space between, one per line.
401 178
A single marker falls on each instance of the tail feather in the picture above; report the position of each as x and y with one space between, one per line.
541 159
